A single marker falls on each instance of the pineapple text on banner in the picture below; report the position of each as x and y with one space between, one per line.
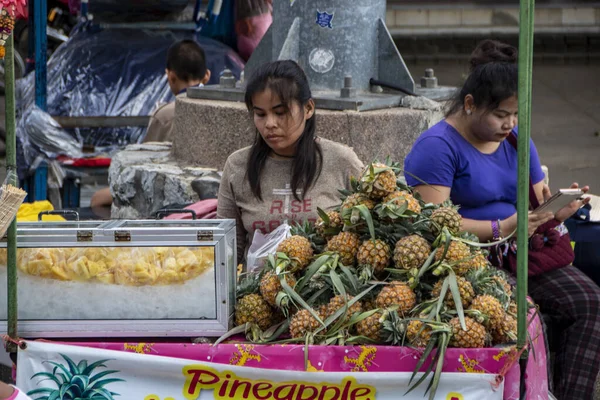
46 370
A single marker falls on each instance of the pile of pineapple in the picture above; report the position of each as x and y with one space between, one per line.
382 268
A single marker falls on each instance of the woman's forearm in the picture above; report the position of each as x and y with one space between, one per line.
483 229
5 391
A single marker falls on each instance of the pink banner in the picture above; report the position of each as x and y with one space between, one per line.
502 361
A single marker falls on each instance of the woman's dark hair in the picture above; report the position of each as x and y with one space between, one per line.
286 80
492 76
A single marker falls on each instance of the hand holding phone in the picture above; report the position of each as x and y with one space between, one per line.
559 200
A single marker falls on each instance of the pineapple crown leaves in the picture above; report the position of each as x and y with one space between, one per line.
483 282
450 283
278 262
304 228
440 339
391 210
76 381
249 283
395 327
296 298
342 311
368 180
356 216
320 265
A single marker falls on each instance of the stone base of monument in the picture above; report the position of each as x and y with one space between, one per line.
206 132
145 178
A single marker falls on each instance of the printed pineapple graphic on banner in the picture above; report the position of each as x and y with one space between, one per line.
75 381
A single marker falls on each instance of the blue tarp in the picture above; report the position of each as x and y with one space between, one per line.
109 73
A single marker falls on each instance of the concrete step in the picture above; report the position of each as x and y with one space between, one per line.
460 18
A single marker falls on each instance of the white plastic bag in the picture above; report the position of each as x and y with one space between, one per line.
263 245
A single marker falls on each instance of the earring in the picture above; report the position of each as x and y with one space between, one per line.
468 112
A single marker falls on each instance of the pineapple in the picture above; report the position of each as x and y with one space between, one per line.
270 286
378 180
506 331
446 217
334 224
490 281
490 306
418 334
254 309
371 327
369 304
397 294
302 323
346 245
473 337
398 198
338 302
504 284
465 289
411 252
299 250
478 261
458 254
374 254
356 199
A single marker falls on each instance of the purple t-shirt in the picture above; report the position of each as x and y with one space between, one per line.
484 185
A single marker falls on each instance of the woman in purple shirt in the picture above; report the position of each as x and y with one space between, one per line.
467 158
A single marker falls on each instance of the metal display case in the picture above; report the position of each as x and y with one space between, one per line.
123 278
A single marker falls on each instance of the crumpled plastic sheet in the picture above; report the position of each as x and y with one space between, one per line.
42 134
107 72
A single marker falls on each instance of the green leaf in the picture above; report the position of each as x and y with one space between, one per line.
101 375
63 368
427 263
62 376
102 383
337 283
426 353
366 214
457 300
441 356
82 365
296 297
67 388
235 331
102 394
351 277
306 343
311 270
82 381
40 391
323 215
282 329
72 367
54 396
47 376
353 319
90 368
443 292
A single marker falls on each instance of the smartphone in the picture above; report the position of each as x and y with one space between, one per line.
559 200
